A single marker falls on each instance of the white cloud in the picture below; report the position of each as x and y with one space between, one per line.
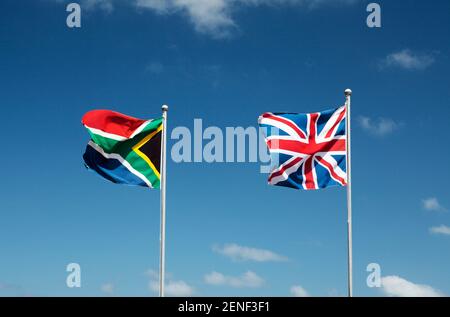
104 5
214 17
152 274
432 204
379 127
407 59
173 288
108 288
207 16
241 253
159 6
398 287
155 68
176 288
445 230
248 279
298 291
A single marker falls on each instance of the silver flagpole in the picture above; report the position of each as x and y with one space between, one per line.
163 202
348 94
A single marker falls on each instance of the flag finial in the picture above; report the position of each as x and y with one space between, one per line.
165 107
348 92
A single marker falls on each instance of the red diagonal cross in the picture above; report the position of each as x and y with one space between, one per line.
310 148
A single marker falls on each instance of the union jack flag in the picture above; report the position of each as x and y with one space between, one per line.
310 148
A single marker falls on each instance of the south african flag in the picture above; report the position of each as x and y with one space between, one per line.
123 149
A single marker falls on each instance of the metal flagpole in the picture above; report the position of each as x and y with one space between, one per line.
165 108
348 94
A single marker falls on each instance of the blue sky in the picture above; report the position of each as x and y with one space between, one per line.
225 62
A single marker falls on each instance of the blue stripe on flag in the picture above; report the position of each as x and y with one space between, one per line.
110 168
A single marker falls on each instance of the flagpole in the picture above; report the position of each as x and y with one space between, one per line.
165 108
348 94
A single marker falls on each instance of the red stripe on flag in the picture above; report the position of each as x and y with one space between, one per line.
338 121
304 148
284 168
309 177
312 127
112 122
330 169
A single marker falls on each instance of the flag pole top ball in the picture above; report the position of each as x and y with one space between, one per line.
165 107
348 92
